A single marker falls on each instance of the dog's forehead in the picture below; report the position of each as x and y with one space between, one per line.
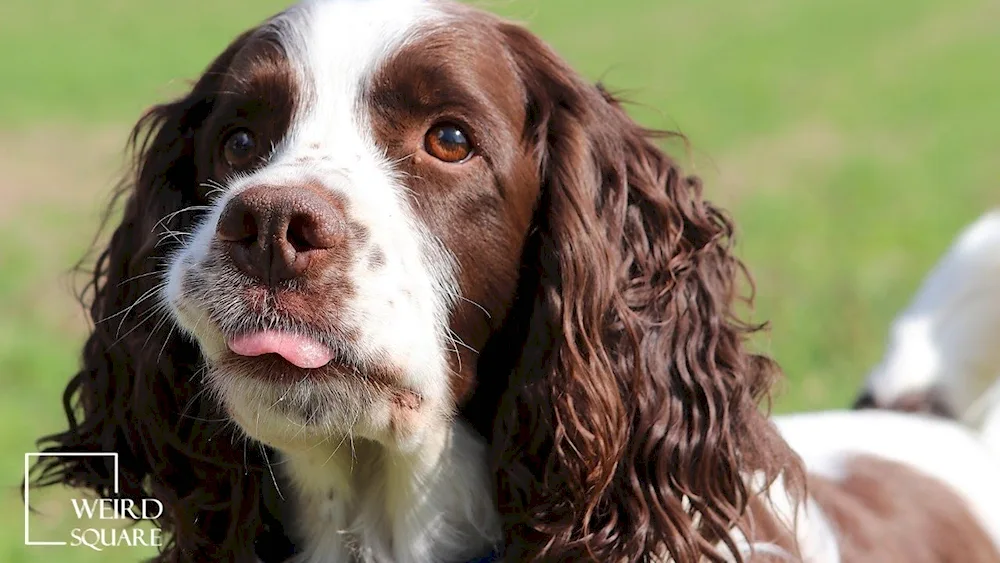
337 45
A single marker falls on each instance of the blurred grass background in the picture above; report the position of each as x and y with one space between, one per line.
850 139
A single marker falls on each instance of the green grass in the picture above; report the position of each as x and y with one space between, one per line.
850 140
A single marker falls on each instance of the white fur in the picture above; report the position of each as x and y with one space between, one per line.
425 506
938 448
364 491
948 338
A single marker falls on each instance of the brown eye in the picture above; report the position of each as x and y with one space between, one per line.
448 143
240 148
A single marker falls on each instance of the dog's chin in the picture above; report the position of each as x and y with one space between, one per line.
294 409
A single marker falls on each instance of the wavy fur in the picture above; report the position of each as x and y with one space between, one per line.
631 420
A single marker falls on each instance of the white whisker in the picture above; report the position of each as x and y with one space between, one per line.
480 307
271 471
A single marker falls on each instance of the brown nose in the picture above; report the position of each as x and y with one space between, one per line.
272 233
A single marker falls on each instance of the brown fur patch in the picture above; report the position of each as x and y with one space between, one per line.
887 512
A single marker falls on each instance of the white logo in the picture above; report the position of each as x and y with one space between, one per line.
111 510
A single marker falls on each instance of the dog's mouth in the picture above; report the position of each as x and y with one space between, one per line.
299 350
287 355
296 377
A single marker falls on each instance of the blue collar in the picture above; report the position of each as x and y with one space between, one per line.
494 556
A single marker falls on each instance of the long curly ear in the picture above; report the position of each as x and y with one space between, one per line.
631 420
138 392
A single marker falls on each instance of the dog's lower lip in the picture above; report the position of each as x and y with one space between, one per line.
297 349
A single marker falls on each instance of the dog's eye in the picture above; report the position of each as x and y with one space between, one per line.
448 143
239 148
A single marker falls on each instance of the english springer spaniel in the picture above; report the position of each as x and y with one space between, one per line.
393 283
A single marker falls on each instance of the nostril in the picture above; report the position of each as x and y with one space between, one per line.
249 230
308 230
301 233
238 224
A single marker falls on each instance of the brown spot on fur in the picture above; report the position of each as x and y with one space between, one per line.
359 233
376 259
406 399
404 411
887 512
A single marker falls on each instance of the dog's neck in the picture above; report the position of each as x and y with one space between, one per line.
361 501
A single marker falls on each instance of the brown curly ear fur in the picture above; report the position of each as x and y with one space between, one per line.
138 392
631 419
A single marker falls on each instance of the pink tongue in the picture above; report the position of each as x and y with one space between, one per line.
298 350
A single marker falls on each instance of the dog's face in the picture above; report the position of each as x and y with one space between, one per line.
369 189
373 212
